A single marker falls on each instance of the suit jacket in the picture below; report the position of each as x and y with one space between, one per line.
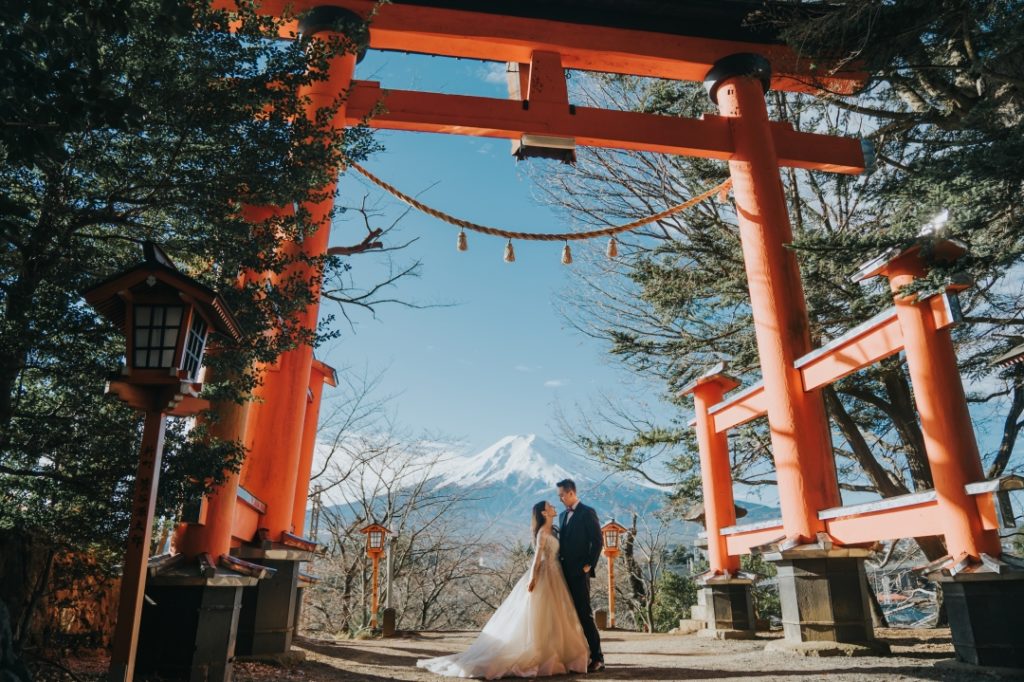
580 540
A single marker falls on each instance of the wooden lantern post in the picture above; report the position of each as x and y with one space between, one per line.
166 318
375 537
611 531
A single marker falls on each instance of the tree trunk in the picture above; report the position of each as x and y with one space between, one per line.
876 473
1011 426
904 414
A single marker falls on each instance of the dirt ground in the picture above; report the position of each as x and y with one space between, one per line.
916 655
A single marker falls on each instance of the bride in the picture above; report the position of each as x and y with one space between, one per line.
535 632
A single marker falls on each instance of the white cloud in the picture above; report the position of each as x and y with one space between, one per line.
524 368
554 383
493 72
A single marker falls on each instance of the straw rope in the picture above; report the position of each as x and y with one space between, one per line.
720 189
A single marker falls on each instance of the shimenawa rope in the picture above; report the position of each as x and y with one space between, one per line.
721 189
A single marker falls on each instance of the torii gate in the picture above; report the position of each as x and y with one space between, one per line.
257 515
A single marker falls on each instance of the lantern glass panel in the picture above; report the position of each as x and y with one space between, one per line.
611 538
375 539
155 335
195 344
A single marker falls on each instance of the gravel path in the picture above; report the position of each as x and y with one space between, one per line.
916 655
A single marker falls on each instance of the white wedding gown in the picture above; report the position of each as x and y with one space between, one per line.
532 634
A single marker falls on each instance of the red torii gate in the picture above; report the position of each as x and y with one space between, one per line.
255 516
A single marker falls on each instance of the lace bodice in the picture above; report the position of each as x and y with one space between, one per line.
547 545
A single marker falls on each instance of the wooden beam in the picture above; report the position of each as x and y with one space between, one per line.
909 521
867 343
708 137
739 539
509 38
740 408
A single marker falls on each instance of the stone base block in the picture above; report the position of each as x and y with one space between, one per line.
189 632
824 599
689 626
824 649
726 634
266 623
728 608
986 619
388 617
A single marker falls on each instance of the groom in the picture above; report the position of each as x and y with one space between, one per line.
580 546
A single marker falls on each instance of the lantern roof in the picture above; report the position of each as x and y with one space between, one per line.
695 512
613 525
374 527
155 274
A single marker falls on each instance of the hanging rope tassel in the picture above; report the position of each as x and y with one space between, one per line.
510 253
566 255
613 248
461 243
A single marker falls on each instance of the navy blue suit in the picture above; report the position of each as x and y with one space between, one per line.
580 544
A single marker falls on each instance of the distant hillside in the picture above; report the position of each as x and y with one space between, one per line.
507 478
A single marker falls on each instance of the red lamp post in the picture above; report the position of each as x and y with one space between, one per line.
376 534
611 531
166 318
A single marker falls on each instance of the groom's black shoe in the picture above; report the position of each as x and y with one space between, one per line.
595 666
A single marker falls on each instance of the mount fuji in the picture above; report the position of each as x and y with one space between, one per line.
507 478
499 484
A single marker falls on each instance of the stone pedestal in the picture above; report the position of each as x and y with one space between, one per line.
728 609
300 592
824 598
188 633
388 618
986 618
266 624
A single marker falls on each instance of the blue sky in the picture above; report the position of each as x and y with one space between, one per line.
494 357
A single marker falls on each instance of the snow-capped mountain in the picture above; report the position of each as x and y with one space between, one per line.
510 476
520 459
503 481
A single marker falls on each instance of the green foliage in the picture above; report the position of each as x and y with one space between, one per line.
676 594
765 594
130 121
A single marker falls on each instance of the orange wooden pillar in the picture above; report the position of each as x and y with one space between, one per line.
716 471
320 374
728 607
213 532
801 443
946 426
823 597
267 620
276 422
